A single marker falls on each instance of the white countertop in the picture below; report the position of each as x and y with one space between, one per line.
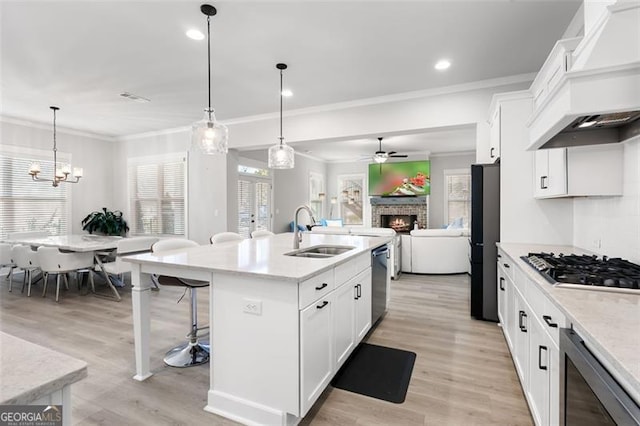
608 322
29 371
262 257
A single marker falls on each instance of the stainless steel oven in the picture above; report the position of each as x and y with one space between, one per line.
589 394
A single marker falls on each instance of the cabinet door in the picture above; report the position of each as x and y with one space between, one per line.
539 368
557 171
521 339
541 173
494 135
363 304
316 351
502 298
344 322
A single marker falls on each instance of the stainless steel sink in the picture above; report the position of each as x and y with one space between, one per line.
320 252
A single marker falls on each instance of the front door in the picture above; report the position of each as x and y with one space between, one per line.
254 204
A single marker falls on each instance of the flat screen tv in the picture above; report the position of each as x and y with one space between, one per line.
401 179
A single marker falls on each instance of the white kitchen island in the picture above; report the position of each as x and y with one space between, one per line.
280 326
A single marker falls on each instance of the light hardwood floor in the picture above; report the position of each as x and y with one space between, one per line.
463 374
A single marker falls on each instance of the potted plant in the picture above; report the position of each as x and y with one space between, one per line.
105 222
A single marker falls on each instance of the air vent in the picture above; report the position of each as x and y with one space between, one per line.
135 98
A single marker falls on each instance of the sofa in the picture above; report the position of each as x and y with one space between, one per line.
394 249
436 251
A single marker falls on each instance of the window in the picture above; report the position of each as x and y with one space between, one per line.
457 192
316 194
157 188
254 200
351 198
26 205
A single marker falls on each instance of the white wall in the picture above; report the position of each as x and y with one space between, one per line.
611 225
96 156
440 163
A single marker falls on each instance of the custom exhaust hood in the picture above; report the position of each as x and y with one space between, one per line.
588 90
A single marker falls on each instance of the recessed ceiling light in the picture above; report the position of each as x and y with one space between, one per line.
442 64
195 35
286 93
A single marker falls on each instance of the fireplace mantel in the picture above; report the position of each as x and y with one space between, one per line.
394 201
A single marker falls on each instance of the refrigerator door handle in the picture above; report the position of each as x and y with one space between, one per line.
478 244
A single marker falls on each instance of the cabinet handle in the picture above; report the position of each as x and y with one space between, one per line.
499 257
521 325
501 282
359 289
355 291
325 303
540 366
542 185
322 286
547 319
491 153
506 265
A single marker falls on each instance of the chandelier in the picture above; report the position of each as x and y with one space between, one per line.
281 155
60 174
208 135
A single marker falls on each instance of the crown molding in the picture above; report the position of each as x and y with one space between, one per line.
49 127
155 133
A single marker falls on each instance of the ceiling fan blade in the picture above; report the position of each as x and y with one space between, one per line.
399 155
391 152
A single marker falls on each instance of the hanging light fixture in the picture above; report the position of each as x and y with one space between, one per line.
208 135
60 174
281 155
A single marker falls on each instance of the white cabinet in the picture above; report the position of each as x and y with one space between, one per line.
579 171
494 135
344 322
362 285
506 305
538 386
316 350
520 351
550 173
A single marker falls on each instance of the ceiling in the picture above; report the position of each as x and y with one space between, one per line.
82 55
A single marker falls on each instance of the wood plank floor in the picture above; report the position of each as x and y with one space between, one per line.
463 374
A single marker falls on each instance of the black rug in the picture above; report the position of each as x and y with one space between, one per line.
377 371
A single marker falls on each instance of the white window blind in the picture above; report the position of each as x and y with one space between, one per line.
458 196
157 188
26 205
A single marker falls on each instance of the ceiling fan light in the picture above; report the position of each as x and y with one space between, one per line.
209 136
379 158
281 156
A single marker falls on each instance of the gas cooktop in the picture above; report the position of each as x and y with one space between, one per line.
587 271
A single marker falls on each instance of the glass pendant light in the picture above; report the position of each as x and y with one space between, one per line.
281 155
208 135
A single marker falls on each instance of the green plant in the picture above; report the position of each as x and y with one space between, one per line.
105 222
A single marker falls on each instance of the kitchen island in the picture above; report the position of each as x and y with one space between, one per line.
280 326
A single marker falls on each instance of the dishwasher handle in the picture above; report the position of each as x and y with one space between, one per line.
380 251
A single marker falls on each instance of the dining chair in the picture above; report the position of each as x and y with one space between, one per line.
224 237
194 352
261 233
53 261
6 261
26 259
126 246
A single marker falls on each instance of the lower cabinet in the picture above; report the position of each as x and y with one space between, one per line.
362 303
538 386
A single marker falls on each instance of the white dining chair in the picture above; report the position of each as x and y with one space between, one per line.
194 352
261 233
26 259
52 261
126 246
6 261
224 237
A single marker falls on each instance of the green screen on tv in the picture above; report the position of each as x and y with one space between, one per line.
407 178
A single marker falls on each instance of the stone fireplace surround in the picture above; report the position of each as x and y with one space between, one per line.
418 206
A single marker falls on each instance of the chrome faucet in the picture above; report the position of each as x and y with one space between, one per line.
297 236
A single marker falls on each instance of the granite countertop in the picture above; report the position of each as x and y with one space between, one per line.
263 257
609 322
29 371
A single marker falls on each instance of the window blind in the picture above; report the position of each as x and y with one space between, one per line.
459 197
157 188
26 205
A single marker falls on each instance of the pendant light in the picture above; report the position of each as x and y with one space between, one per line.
208 135
281 155
60 174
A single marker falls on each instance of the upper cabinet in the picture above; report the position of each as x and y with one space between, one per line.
578 172
494 134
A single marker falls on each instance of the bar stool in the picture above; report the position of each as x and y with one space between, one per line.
223 237
194 352
261 233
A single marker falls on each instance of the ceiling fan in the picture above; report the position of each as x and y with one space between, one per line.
381 156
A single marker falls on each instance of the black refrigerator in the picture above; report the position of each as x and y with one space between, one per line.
485 232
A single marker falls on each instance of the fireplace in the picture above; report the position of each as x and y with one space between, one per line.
398 222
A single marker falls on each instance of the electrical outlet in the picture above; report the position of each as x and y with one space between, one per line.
252 306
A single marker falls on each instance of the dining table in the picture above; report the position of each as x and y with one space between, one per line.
98 244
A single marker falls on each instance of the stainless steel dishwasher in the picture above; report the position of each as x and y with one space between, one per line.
379 277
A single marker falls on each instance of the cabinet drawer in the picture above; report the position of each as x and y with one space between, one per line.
351 268
315 287
545 311
506 265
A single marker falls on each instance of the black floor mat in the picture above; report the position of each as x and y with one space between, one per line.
377 371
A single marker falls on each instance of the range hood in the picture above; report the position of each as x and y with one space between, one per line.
588 90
